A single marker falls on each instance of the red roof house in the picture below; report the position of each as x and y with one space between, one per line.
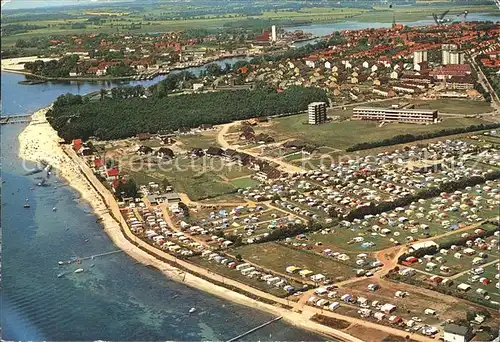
112 172
77 144
98 163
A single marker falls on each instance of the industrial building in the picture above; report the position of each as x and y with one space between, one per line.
403 114
316 113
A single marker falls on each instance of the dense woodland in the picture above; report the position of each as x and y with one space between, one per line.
75 117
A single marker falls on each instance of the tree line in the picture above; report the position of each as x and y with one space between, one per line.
53 68
122 118
407 138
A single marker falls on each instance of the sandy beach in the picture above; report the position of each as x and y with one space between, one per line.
39 141
17 64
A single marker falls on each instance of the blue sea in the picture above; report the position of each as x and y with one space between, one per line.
117 299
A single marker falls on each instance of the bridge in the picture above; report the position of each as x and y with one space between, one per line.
17 119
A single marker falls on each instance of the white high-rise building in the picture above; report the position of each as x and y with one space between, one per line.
316 113
446 50
419 56
274 35
456 57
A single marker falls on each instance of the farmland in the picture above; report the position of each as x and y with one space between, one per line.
162 17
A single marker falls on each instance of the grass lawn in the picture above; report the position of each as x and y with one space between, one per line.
490 272
244 183
204 140
277 257
346 133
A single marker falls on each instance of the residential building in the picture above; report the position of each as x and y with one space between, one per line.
274 36
420 116
456 57
316 113
445 53
419 56
457 333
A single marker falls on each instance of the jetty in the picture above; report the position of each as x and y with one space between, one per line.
17 119
254 329
92 256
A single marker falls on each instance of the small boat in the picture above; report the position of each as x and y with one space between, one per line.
86 240
92 265
79 270
61 262
54 209
60 275
26 205
192 310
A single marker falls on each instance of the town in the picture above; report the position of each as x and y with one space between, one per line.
355 66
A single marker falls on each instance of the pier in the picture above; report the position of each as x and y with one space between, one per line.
254 329
17 119
92 256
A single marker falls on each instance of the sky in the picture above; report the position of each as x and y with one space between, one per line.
16 4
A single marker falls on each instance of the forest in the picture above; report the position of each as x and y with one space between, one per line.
119 118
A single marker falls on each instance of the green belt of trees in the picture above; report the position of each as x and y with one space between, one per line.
74 117
407 138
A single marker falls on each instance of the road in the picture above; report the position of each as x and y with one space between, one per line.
283 166
495 103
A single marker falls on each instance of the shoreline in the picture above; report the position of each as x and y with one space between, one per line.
39 141
9 62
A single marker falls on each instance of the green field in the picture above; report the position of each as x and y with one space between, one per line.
344 134
277 257
118 19
199 178
198 140
244 183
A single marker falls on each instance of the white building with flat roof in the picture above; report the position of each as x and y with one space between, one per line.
420 116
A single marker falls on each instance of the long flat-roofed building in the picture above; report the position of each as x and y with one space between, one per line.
419 116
